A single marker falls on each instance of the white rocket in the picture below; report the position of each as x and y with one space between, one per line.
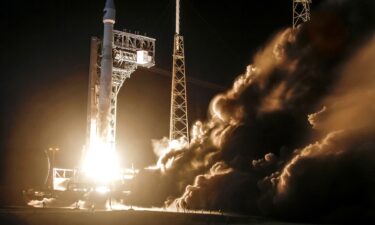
105 83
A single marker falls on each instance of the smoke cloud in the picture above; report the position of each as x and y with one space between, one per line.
293 138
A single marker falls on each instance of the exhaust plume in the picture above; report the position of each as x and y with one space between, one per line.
293 137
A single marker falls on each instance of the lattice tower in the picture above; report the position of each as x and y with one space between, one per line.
179 125
301 12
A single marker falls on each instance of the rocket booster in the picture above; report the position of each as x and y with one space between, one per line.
105 83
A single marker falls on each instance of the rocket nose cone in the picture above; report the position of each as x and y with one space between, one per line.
109 12
109 4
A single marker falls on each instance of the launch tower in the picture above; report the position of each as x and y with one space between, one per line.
301 12
118 54
112 60
179 126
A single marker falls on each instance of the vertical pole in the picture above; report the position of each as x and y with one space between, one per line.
52 168
51 155
293 8
177 16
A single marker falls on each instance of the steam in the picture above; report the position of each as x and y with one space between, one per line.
295 135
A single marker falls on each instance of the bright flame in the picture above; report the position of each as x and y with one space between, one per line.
101 162
176 144
102 189
165 146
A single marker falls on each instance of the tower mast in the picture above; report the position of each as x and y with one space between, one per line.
179 126
301 12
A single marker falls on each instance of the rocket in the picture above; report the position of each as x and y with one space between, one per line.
105 82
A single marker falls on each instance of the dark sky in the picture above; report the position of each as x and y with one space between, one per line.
44 72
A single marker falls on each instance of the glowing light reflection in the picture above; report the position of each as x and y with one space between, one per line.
101 162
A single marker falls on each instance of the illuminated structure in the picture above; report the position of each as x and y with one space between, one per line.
179 126
301 12
121 54
51 154
130 51
112 60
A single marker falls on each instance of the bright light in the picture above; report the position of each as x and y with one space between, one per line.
178 144
102 189
101 162
143 57
175 144
164 147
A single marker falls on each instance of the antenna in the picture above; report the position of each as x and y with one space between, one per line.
177 16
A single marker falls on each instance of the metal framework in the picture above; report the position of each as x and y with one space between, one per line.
67 179
129 52
301 12
62 177
179 126
51 154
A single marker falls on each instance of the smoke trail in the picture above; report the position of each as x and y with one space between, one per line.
254 154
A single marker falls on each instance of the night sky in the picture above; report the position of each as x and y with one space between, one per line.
45 61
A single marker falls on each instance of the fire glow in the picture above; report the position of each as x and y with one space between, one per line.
101 163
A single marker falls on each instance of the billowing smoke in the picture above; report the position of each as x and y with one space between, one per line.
295 135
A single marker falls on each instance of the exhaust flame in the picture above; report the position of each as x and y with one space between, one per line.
164 147
101 162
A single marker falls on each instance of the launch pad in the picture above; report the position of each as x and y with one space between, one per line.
33 216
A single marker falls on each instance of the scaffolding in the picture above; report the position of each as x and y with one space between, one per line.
129 51
301 12
179 126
